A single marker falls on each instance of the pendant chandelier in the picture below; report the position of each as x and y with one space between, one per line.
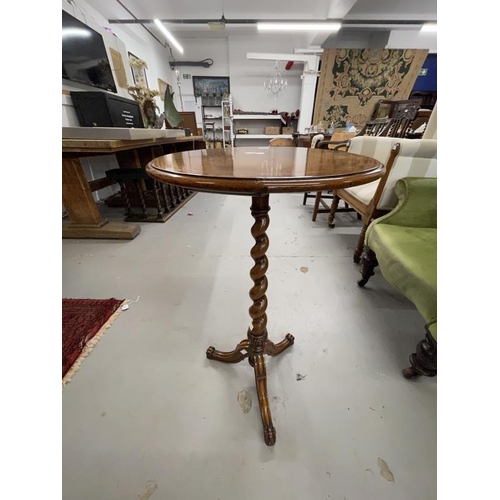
276 85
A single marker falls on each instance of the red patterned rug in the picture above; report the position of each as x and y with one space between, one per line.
84 322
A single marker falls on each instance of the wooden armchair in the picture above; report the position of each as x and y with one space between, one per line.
400 113
371 128
421 118
315 141
402 158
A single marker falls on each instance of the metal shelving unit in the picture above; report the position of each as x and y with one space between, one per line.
227 121
217 120
210 124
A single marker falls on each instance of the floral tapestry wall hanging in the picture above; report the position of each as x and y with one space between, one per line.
352 81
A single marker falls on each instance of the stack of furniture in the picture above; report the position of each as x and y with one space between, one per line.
389 119
403 244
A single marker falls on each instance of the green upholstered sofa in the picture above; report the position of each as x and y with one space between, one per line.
404 244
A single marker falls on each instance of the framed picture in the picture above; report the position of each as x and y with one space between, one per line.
217 85
162 87
138 67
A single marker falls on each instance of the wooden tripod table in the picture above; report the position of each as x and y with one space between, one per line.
257 172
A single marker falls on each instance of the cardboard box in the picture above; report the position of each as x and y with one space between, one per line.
272 130
287 130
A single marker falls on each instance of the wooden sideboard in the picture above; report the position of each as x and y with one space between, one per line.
85 221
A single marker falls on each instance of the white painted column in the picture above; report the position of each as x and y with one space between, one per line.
306 102
307 98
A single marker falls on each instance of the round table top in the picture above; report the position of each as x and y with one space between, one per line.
262 170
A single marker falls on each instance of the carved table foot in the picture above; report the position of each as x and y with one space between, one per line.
273 349
265 412
234 356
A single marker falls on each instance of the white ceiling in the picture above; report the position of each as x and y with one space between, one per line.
185 10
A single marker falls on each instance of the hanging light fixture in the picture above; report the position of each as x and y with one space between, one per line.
276 85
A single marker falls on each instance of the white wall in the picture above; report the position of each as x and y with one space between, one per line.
247 77
412 39
198 49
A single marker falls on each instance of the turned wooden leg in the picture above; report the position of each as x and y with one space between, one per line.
257 335
163 191
368 264
424 360
335 205
125 198
257 343
317 201
138 184
156 189
361 241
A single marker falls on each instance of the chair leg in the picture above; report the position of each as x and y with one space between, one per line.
368 264
317 201
361 241
335 205
424 360
305 198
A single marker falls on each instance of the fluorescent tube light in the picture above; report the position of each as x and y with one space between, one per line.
298 26
429 27
169 36
75 32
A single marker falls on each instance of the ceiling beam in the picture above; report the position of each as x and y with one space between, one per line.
345 22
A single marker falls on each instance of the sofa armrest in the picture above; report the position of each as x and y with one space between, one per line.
417 203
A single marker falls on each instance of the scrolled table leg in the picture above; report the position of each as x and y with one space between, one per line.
234 356
273 349
265 412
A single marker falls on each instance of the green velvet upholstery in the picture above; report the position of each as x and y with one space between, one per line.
405 243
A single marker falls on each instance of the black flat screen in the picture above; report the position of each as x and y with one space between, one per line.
84 57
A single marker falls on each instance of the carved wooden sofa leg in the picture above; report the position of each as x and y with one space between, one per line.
424 360
360 245
368 264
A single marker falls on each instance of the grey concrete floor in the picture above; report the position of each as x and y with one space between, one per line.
148 416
